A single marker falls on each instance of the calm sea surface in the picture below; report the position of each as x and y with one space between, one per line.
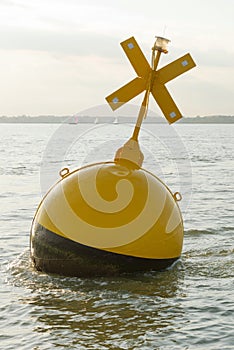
189 306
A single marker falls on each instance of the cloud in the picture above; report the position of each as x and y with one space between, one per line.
214 58
77 43
72 49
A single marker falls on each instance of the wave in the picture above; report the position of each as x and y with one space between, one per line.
208 231
199 232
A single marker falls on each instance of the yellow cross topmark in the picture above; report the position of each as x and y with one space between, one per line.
152 80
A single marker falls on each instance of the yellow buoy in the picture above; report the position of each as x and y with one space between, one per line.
113 217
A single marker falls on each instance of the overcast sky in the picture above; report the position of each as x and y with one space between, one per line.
63 56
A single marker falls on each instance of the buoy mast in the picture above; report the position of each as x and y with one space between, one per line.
131 151
151 80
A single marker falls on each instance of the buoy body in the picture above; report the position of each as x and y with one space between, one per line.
106 219
114 217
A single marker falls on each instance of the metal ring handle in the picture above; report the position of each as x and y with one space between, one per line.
177 196
64 172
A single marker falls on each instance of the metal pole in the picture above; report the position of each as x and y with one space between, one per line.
145 102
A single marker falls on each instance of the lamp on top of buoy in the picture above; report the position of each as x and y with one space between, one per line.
115 217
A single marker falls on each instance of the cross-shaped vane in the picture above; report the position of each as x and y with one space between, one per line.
150 79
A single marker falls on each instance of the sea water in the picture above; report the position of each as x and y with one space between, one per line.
189 306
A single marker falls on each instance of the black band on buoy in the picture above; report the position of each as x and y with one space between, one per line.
52 253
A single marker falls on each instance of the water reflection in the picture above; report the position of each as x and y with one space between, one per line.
161 310
107 312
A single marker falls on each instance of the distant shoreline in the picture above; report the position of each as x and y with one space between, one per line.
49 119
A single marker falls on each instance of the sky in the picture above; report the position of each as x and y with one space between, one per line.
62 57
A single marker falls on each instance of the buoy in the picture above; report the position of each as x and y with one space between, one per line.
115 216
